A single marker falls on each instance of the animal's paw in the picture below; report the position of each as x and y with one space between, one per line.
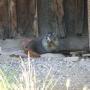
32 54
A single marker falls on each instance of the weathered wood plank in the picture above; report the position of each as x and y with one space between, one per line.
51 16
7 18
12 17
25 16
88 1
74 16
4 29
35 22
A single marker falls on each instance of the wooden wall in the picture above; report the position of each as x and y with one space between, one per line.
25 16
19 16
68 18
16 16
51 14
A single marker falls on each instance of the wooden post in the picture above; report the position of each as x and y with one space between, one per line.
35 22
88 1
12 17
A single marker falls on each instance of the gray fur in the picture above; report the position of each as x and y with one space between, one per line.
41 45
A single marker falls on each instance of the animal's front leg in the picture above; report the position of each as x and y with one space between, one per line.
32 54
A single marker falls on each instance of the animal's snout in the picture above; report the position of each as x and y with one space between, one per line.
52 44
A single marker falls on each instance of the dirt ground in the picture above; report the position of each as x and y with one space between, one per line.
75 68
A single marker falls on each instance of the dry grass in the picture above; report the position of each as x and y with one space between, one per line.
27 79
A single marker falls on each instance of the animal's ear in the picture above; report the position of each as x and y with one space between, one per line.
48 34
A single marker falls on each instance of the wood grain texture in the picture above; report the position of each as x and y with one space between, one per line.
25 16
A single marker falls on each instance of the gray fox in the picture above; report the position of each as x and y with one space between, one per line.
45 44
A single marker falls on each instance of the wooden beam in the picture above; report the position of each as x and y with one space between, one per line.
88 3
12 17
35 22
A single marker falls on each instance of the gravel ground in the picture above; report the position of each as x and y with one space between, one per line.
74 68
